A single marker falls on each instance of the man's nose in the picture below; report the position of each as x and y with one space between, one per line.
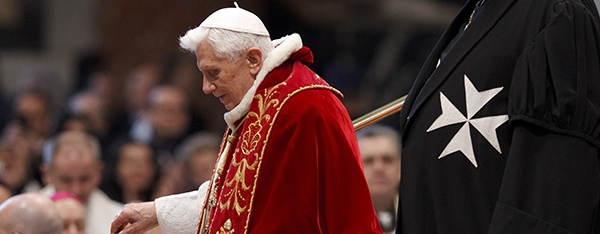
378 164
207 86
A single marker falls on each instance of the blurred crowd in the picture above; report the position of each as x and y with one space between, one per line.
96 151
108 145
112 141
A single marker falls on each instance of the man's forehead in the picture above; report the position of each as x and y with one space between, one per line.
378 144
205 56
377 140
204 65
78 155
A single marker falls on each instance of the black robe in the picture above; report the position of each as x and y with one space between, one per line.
515 149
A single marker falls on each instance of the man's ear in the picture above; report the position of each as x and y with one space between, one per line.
254 57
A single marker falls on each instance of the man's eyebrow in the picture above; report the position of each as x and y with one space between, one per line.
205 66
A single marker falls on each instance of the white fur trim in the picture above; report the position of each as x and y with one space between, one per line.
284 47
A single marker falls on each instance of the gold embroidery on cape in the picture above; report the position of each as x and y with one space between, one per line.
250 140
203 219
227 228
327 87
238 179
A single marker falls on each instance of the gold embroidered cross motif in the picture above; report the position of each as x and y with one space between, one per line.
251 137
247 162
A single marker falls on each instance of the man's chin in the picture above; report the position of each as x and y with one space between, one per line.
229 106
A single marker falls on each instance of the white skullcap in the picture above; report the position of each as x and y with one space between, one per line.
236 19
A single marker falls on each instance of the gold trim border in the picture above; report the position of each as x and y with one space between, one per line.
267 137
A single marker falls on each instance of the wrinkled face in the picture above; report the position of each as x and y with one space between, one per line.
75 171
135 169
381 163
227 81
73 216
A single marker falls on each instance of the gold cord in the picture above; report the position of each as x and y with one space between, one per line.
473 13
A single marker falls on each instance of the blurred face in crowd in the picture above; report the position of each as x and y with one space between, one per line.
169 112
200 166
34 111
227 81
73 215
91 108
184 76
75 170
15 161
135 167
381 162
75 123
140 82
103 84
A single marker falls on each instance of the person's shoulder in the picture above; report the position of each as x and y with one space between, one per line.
574 6
319 99
312 106
99 199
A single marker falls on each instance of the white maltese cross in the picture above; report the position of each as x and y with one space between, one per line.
486 125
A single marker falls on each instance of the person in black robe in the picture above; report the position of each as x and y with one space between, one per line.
501 129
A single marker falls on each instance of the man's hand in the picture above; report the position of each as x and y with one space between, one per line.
135 218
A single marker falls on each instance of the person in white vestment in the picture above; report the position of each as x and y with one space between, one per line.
72 163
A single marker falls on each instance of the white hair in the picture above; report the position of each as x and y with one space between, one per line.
226 43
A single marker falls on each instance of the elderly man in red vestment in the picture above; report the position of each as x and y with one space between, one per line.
289 161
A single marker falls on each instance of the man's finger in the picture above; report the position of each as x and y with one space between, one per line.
131 228
117 224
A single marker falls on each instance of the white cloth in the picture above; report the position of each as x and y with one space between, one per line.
236 19
101 210
180 213
33 186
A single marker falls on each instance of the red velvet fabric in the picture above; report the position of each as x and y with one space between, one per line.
310 177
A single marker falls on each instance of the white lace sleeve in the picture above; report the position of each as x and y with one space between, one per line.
179 213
